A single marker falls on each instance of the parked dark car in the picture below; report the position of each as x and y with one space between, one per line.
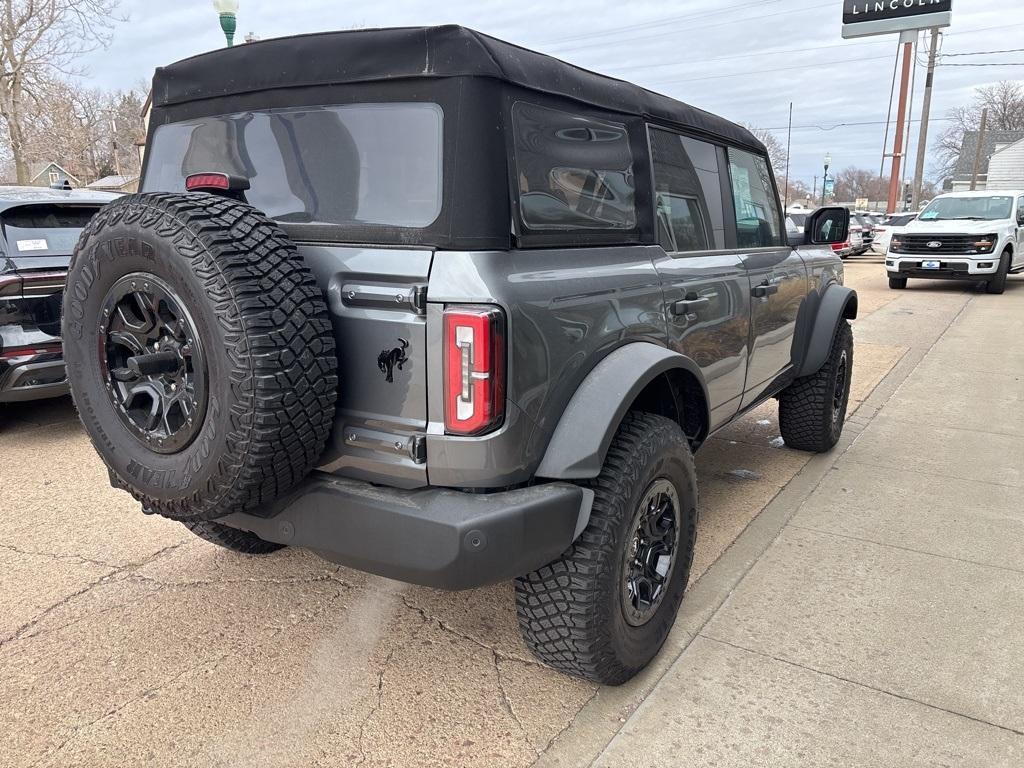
38 230
455 312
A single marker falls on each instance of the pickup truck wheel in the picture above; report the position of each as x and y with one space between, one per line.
998 282
603 610
232 538
200 354
812 410
897 283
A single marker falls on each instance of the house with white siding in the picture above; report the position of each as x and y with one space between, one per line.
1006 167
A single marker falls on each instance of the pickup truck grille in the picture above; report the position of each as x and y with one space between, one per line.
950 243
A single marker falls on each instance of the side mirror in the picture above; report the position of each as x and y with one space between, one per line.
827 226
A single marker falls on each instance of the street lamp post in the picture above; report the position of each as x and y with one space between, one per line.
228 11
824 180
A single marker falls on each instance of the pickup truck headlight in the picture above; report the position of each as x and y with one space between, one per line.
985 244
896 244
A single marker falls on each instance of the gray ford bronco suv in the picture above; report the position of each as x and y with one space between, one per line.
454 312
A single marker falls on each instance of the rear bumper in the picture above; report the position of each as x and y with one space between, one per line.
33 378
951 267
435 537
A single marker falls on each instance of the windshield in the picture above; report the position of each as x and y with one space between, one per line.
349 165
45 230
798 218
968 208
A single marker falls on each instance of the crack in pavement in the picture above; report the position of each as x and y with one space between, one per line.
506 702
55 556
20 632
77 729
477 642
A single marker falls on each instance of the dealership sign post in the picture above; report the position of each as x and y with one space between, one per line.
908 17
883 17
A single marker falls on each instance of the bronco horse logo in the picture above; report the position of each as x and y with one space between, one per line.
390 359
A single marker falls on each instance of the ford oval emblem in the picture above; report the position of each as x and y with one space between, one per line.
935 244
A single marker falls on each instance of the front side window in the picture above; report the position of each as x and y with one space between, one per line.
968 208
757 207
356 164
573 172
687 192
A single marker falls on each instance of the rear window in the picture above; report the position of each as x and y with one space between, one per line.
573 172
44 230
355 164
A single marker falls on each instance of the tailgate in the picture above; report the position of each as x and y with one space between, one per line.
377 301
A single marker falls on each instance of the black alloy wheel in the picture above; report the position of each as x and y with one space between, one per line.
650 555
152 363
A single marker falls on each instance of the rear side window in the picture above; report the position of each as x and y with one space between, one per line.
353 164
757 207
573 172
687 192
45 230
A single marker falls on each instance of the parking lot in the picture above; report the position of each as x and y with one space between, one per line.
125 640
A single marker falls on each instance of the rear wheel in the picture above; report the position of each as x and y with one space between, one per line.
232 538
897 283
997 284
812 410
603 610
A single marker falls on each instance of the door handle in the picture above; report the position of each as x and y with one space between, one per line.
764 290
689 306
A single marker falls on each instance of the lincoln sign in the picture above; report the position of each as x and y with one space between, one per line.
881 17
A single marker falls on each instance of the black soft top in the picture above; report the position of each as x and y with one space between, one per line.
377 55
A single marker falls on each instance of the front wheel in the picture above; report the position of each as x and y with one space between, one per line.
812 410
998 282
603 610
897 283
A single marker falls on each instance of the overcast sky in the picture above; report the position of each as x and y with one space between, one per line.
743 59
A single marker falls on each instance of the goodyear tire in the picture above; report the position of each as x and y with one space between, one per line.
200 353
603 610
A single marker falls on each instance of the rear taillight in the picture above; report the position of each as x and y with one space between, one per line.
11 353
841 246
474 369
205 181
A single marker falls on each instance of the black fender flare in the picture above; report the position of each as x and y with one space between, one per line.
580 442
838 303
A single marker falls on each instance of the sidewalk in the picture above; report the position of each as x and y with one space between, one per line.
883 625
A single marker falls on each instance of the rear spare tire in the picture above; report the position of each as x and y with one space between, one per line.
200 353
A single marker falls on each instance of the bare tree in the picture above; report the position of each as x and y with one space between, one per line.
39 41
1005 104
853 183
776 149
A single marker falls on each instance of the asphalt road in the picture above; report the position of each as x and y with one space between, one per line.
125 641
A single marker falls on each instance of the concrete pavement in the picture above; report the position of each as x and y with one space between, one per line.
882 625
124 640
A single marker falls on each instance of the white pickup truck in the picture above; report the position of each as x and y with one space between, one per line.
963 236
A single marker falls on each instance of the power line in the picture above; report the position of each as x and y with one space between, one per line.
981 53
846 125
764 71
668 33
986 64
654 23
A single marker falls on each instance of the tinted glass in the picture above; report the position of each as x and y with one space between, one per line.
798 218
899 221
352 164
974 208
573 172
45 230
688 195
757 207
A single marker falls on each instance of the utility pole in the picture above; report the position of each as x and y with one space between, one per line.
922 141
977 152
814 189
907 41
789 145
